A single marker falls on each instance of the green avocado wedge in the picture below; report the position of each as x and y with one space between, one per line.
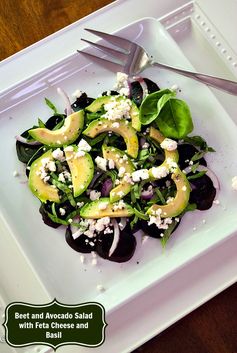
82 170
42 190
121 160
120 127
66 135
98 103
104 208
180 201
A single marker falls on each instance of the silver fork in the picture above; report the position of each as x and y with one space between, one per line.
132 59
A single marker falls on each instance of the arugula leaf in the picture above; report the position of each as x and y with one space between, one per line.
41 123
167 233
140 215
196 175
51 105
151 107
175 119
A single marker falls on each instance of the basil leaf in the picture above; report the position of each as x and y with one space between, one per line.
175 119
41 123
150 106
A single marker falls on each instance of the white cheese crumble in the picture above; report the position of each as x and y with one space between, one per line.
58 154
83 145
77 93
101 163
15 173
94 195
172 164
158 221
168 144
62 211
141 174
184 188
80 204
234 182
122 170
122 84
117 109
103 206
111 164
79 154
115 125
119 205
145 145
159 172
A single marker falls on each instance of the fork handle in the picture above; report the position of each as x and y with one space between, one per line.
217 82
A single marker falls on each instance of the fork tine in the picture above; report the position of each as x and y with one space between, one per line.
119 42
114 53
107 64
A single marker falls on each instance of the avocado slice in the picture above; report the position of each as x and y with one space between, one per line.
121 160
67 134
124 129
180 201
104 208
43 191
82 170
169 155
98 103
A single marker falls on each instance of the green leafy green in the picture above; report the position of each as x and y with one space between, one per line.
51 105
153 104
175 119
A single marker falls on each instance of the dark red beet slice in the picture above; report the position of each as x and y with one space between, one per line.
136 92
54 120
125 248
203 192
152 230
82 244
82 102
186 152
151 86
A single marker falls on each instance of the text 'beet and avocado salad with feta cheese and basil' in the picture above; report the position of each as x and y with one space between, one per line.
117 164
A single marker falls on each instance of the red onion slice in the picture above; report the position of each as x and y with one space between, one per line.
143 85
24 140
66 100
122 223
106 187
116 237
209 173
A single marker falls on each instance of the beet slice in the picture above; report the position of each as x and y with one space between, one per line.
151 86
136 92
124 250
203 192
152 230
48 221
81 244
186 152
82 102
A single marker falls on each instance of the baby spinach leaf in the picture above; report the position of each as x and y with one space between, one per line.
175 119
152 105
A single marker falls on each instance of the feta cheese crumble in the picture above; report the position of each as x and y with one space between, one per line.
168 144
101 163
122 84
94 195
159 172
83 145
141 174
58 154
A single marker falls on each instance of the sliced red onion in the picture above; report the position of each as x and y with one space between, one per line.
95 177
147 194
24 140
116 237
209 173
66 99
143 85
122 223
106 187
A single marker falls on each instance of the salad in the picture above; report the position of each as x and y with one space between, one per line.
110 166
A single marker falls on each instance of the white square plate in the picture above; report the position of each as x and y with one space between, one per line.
57 265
